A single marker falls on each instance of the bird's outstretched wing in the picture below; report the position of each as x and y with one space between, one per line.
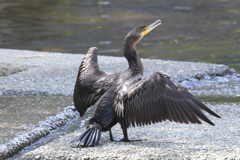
156 99
87 95
91 82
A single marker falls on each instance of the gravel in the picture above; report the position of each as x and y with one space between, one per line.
44 73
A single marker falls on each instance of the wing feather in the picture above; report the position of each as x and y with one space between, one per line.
159 113
141 116
186 110
176 116
151 112
168 108
181 112
164 107
144 118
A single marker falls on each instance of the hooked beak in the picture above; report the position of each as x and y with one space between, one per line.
150 27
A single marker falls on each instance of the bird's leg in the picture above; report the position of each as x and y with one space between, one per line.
110 135
125 139
125 135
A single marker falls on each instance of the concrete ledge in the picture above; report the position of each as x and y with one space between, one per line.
45 127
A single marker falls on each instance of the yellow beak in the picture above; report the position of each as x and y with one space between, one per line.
151 27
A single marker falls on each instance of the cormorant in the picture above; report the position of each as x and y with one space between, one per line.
128 98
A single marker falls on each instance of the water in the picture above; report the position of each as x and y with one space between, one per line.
192 30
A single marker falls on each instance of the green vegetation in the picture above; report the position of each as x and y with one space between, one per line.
220 99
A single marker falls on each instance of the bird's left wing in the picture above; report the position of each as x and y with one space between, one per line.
156 99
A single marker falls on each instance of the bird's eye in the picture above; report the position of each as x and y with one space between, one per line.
144 29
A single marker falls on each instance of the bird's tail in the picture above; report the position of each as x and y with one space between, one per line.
90 137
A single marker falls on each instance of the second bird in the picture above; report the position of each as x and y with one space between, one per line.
128 98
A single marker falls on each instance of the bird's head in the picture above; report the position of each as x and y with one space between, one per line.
139 32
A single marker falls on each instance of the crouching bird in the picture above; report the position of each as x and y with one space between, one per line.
128 98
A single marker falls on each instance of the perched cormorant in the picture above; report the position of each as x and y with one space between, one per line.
128 98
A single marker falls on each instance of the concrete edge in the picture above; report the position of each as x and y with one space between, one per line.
45 127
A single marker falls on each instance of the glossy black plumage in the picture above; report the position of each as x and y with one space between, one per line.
126 98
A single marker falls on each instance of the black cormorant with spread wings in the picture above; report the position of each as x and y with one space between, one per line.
128 98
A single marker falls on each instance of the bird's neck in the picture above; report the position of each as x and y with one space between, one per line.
135 64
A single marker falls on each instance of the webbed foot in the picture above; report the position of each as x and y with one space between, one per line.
125 140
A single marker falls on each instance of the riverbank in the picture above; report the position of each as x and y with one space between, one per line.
46 74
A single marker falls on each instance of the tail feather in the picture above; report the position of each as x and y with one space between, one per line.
88 138
98 135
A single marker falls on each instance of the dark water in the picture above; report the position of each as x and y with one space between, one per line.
192 30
